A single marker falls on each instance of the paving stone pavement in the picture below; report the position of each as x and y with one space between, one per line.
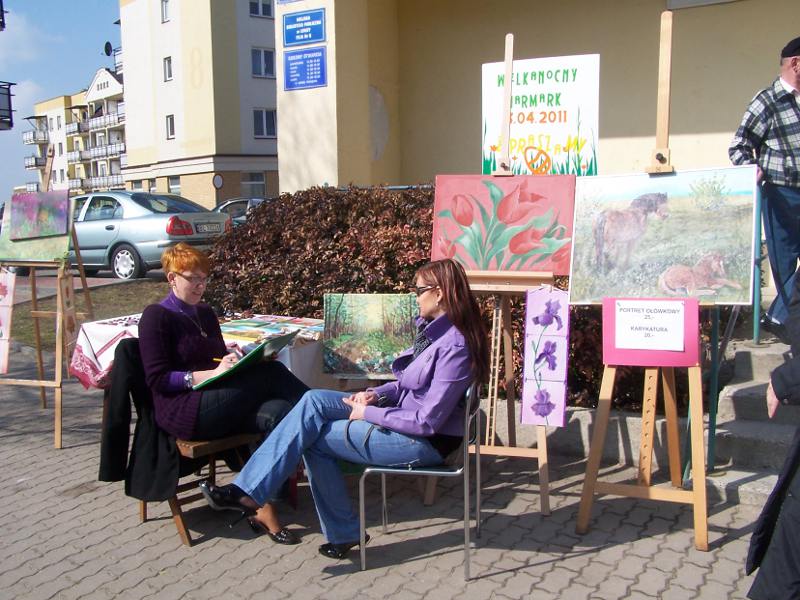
66 535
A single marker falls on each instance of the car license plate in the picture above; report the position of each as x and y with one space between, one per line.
208 228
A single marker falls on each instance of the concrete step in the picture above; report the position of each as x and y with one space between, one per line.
751 488
755 363
747 401
753 445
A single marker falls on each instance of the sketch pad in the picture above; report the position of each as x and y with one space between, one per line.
264 349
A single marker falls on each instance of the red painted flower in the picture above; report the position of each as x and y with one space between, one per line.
446 248
561 255
525 241
517 205
462 210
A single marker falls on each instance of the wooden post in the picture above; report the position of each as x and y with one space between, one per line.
502 286
660 161
503 166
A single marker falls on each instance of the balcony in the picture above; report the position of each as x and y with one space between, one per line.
76 184
103 121
104 181
118 61
77 127
109 150
34 162
35 136
32 186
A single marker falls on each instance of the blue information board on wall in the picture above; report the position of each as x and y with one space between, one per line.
307 27
305 68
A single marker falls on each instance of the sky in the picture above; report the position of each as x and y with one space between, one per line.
49 48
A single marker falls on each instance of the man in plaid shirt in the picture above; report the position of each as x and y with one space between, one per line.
769 136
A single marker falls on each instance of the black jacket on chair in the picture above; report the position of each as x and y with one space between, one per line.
152 472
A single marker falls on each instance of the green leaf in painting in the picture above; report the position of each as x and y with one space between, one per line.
495 193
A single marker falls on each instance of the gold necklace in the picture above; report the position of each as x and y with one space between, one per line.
196 323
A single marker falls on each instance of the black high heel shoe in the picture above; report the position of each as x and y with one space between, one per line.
339 551
284 536
229 497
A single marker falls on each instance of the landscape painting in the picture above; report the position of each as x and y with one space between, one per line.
364 333
520 223
688 234
39 214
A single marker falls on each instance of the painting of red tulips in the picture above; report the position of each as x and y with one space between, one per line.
520 223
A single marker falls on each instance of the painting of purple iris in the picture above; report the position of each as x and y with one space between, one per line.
546 354
39 214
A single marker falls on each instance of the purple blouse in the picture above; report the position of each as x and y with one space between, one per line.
171 342
428 388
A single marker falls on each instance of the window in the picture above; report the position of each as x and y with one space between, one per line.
79 202
264 123
164 11
174 184
103 207
170 127
152 186
58 121
52 177
60 149
167 68
51 124
261 8
253 185
263 62
61 175
136 186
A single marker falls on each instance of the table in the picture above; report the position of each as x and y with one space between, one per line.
93 356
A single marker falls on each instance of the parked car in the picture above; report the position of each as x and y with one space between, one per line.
127 231
237 208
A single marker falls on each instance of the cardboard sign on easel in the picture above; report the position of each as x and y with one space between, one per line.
34 254
660 335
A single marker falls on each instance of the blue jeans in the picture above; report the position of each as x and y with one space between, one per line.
317 430
781 213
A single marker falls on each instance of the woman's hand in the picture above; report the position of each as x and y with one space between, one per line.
772 401
366 398
226 363
356 408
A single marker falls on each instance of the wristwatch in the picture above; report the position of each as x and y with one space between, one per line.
187 379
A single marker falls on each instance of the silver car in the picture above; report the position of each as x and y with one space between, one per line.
127 231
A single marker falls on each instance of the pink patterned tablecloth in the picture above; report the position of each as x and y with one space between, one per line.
94 350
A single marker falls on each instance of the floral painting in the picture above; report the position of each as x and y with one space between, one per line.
7 286
521 223
39 214
544 391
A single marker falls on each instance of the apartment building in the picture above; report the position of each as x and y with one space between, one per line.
201 98
85 132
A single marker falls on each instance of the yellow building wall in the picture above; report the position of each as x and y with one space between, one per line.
225 94
199 137
722 54
198 188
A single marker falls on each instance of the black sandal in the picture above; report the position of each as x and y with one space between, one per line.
339 551
284 536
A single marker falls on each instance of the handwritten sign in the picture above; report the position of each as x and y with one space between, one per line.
651 333
554 115
649 325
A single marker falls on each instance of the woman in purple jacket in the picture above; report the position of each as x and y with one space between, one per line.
181 345
416 420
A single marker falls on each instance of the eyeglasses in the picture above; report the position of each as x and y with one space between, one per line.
193 279
421 289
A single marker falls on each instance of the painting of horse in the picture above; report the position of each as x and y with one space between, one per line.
616 232
687 234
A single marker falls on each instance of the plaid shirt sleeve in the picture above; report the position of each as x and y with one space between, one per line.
750 134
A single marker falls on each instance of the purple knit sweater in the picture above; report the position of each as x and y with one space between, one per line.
170 341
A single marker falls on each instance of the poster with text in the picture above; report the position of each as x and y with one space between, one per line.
554 115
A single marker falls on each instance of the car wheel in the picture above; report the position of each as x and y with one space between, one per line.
126 264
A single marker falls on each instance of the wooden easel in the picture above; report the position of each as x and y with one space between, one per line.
502 286
660 163
63 278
